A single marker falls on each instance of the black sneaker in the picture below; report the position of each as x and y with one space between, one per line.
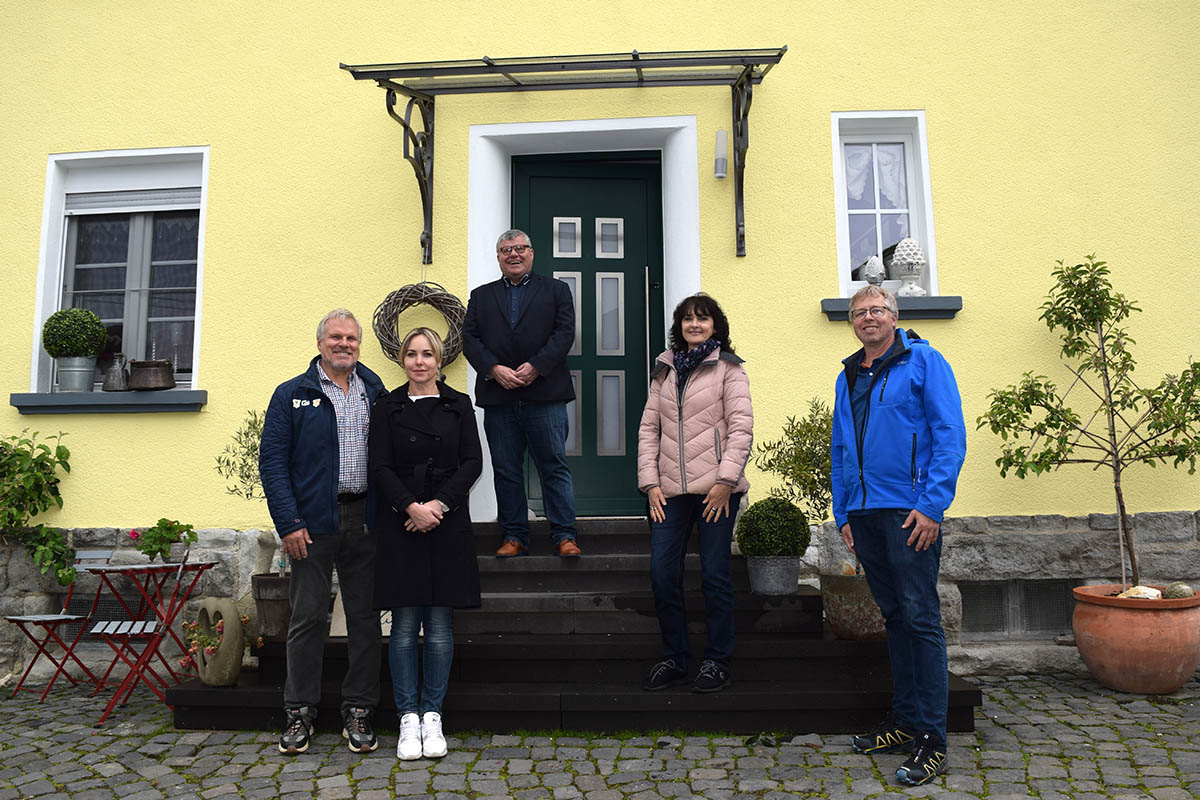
711 678
663 674
357 730
297 730
928 760
888 737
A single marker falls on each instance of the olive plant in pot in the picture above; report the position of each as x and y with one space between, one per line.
1135 644
773 534
800 457
74 338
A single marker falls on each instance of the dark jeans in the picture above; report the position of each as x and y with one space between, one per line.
437 623
904 582
668 548
352 552
542 427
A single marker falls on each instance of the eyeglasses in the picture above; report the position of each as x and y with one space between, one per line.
514 248
874 311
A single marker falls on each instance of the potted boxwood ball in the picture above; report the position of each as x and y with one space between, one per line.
773 534
74 338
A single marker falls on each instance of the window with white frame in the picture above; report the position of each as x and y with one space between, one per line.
124 238
881 181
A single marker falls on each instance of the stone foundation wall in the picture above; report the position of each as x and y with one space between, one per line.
1082 549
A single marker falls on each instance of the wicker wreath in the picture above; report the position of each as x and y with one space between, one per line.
387 317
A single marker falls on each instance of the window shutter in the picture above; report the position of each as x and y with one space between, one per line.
137 200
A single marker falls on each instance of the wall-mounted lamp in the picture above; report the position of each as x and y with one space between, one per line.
721 162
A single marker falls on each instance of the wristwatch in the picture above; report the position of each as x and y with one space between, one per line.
445 508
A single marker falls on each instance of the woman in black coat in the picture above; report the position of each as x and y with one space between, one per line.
424 456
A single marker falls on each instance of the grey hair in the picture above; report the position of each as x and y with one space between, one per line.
337 313
876 291
511 234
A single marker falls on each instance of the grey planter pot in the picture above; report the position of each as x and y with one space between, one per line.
850 608
774 575
76 374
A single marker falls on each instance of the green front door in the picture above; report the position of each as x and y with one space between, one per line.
596 223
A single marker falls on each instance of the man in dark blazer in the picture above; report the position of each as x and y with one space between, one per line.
516 335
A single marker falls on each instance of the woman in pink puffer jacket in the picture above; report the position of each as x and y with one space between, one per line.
695 438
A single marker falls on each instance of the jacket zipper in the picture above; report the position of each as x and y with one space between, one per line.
885 369
717 444
913 467
679 402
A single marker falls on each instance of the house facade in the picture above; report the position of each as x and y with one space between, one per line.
211 182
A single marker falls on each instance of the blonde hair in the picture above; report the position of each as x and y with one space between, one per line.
435 343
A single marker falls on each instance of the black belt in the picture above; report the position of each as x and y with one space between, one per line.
351 497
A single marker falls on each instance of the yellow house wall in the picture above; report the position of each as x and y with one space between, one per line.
1054 130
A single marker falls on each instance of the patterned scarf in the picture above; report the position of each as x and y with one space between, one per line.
688 360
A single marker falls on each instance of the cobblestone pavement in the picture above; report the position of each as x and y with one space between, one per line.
1041 736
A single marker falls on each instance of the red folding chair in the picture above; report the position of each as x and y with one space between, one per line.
75 611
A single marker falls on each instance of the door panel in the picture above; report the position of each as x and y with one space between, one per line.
596 224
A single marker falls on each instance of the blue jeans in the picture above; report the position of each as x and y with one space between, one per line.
438 622
668 548
352 552
904 582
542 427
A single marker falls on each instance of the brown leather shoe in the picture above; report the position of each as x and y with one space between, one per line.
568 549
511 548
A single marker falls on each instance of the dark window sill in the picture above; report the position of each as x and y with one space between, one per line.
171 400
943 307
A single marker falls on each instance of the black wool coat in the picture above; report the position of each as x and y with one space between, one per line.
417 455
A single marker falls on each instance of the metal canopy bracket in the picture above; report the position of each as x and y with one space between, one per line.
421 82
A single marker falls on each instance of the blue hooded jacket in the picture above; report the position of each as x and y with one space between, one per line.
298 455
913 440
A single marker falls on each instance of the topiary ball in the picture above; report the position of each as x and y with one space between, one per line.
773 527
74 333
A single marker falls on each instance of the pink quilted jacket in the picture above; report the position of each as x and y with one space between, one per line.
710 441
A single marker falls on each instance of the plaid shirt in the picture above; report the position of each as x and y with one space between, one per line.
353 419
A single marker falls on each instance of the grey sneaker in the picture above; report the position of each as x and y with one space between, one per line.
711 678
663 674
357 730
297 730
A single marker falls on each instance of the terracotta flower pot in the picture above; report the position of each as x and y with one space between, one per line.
1133 645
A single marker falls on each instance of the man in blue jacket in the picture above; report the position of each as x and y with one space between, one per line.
898 444
516 334
313 464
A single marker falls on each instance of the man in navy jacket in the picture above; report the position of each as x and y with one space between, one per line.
516 335
898 444
313 464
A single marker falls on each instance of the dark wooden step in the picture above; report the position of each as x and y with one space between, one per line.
842 701
595 537
596 574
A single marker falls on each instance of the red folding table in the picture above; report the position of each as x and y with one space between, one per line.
163 590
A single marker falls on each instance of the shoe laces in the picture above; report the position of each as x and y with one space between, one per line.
923 748
296 725
410 725
709 668
432 724
357 720
666 665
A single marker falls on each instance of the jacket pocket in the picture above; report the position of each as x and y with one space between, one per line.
913 463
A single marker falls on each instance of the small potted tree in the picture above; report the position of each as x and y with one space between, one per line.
773 534
1133 644
74 338
801 459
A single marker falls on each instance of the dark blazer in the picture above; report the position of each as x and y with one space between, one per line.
418 454
298 454
544 333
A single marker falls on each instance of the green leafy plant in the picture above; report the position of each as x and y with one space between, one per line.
1133 425
773 527
238 462
28 486
800 457
74 332
199 638
157 539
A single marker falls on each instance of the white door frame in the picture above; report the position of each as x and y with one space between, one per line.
489 206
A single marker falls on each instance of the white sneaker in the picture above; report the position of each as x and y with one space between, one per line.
433 743
409 746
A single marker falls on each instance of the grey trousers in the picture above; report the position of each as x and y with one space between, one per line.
352 552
